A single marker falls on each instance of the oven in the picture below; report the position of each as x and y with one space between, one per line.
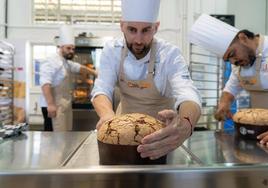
87 52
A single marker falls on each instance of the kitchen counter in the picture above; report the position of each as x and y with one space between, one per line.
39 150
70 159
207 148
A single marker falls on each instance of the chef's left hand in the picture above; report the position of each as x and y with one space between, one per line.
167 139
263 138
104 118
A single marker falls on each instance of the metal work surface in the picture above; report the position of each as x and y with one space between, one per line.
224 148
255 176
39 149
206 149
88 155
207 160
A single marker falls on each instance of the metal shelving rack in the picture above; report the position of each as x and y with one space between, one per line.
6 83
206 71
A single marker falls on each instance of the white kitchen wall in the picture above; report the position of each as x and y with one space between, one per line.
249 14
20 23
266 18
2 19
212 6
173 14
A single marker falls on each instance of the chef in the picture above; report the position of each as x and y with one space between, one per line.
248 54
55 82
152 77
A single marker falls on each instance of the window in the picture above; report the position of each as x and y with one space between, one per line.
40 53
77 11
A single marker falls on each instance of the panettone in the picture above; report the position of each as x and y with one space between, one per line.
255 116
251 122
119 137
128 129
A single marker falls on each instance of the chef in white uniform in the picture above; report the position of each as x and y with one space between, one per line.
55 82
152 77
248 54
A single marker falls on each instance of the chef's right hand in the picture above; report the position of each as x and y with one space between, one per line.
104 119
51 110
165 140
223 112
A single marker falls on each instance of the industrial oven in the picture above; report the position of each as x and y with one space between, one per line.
87 53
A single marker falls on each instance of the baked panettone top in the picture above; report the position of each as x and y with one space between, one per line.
252 116
128 129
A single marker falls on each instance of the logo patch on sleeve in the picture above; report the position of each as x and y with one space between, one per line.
185 77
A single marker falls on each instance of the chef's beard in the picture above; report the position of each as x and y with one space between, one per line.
68 56
251 56
252 59
142 52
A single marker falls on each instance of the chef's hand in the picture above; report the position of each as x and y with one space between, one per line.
167 139
103 119
263 138
51 110
86 71
92 71
222 112
224 105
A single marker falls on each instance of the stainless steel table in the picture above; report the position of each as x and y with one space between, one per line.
41 150
224 148
70 159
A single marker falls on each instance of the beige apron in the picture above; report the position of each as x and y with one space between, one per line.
258 95
141 96
63 99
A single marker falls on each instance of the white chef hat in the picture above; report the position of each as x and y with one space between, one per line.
66 35
212 34
140 10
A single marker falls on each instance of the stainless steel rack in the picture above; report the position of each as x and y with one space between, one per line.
206 71
6 83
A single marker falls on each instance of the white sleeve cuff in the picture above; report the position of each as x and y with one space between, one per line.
234 92
101 93
45 81
181 100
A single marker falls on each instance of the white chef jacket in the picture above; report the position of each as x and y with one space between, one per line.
232 86
172 78
52 71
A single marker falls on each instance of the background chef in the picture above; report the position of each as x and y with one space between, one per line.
248 54
55 82
152 77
